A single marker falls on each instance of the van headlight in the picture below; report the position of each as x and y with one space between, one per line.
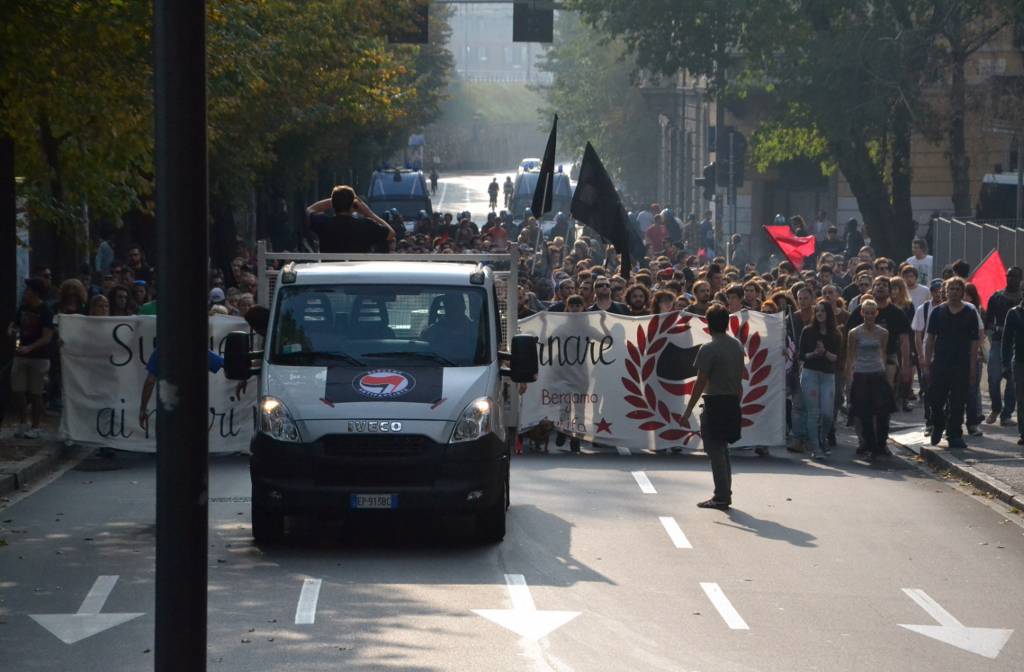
475 421
276 421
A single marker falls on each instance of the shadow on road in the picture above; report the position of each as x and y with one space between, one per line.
769 529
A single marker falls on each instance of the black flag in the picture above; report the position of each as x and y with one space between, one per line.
596 203
546 182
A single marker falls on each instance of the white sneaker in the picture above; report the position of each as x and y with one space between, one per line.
32 433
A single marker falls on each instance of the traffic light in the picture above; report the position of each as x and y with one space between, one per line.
412 26
707 182
738 142
532 24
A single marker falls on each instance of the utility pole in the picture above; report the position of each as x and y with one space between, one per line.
182 334
1020 180
732 183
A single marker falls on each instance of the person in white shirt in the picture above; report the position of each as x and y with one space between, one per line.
922 261
819 229
919 294
645 218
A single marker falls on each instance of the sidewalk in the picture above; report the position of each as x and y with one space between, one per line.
23 461
992 463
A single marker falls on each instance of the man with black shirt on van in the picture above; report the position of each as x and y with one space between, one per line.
345 233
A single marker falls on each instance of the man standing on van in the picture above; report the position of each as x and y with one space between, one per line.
719 365
345 233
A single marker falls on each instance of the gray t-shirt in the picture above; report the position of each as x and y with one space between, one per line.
722 360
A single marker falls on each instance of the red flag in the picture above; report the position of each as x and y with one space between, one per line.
989 277
796 248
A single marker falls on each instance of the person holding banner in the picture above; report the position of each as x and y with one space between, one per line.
720 366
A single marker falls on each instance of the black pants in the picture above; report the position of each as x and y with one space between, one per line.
947 397
1018 388
874 432
721 468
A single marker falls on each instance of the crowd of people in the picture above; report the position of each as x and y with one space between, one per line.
856 323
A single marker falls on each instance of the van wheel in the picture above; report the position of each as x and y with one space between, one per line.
267 527
490 524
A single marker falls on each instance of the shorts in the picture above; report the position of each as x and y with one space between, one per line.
29 375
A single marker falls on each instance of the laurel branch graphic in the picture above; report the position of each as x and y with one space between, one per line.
640 366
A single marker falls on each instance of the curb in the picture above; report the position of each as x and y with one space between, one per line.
18 475
942 459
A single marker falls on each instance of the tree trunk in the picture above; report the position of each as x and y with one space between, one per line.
8 251
868 187
901 229
959 162
62 242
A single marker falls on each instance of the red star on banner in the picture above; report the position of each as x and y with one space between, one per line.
604 426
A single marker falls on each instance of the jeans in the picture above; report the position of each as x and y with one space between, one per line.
995 382
948 384
798 423
818 390
721 468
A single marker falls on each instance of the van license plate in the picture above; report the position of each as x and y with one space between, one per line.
374 501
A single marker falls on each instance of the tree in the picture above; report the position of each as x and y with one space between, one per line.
594 95
846 76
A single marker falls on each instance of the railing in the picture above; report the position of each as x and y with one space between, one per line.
972 241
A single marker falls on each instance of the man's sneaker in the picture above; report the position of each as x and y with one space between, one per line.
936 436
1020 441
957 442
32 433
974 430
991 418
1007 422
714 504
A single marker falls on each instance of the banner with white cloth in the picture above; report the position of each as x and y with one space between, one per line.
625 381
103 367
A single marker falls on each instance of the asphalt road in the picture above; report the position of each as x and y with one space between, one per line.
468 191
815 568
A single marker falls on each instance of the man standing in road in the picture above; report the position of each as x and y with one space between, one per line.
344 233
492 192
999 306
951 356
508 188
720 368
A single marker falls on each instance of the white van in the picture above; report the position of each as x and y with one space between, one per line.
381 390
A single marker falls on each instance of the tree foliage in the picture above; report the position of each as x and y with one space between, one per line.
291 86
844 80
593 94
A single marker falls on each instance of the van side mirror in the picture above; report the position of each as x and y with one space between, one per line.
525 364
238 357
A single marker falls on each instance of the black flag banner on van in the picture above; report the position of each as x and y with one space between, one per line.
415 385
546 181
596 204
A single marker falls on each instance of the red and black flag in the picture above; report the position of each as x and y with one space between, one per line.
795 248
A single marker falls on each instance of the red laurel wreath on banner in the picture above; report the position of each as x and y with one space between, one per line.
642 396
642 361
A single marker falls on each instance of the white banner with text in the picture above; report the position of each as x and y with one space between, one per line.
103 368
625 381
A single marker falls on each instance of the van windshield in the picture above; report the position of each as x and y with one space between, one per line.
378 325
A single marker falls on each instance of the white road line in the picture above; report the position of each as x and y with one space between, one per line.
444 193
623 450
645 483
519 592
98 594
305 612
674 532
725 609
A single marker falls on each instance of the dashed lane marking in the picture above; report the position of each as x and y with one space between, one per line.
305 612
645 484
675 533
725 609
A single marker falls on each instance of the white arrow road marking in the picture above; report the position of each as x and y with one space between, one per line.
986 642
624 450
88 621
674 532
523 618
305 612
645 484
725 609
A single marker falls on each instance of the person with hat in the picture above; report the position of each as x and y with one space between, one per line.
33 332
217 297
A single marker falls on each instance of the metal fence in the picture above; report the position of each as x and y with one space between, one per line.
954 239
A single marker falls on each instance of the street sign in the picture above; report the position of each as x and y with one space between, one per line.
524 618
87 621
987 642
